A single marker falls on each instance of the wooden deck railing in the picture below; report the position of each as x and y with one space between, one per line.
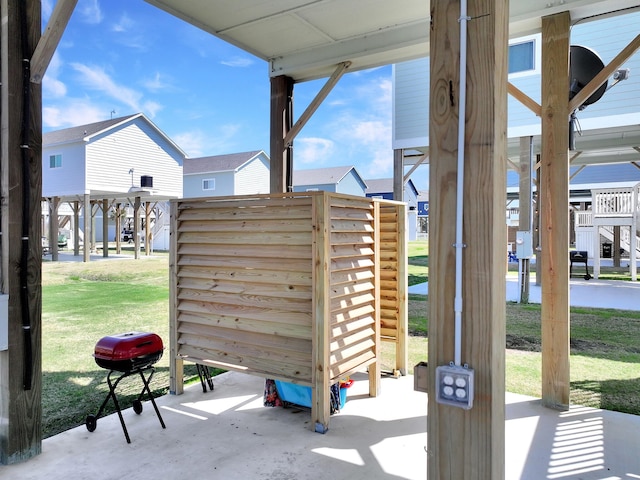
616 202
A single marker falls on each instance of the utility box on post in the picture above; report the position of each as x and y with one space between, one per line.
524 247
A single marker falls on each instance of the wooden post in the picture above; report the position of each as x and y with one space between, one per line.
176 364
54 203
525 217
76 228
468 444
136 228
536 225
147 228
554 210
321 317
402 345
281 121
105 227
21 259
398 175
616 245
86 241
118 229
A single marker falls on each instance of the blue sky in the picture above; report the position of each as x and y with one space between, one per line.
209 97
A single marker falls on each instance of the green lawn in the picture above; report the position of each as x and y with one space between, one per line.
605 347
84 302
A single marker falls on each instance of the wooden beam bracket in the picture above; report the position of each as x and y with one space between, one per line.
317 101
50 38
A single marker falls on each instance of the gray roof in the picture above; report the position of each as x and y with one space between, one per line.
322 176
379 185
218 163
384 185
79 133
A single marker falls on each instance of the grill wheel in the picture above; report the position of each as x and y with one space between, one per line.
91 422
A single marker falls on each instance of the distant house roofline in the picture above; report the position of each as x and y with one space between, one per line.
324 176
84 133
220 163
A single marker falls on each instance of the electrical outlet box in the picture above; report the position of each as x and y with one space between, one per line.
454 386
524 244
4 322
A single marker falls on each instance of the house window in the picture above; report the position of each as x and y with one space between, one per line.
524 56
209 184
55 161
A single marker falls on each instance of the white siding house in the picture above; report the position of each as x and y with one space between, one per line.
607 139
243 173
117 160
618 108
99 159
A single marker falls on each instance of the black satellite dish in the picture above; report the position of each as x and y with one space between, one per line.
584 64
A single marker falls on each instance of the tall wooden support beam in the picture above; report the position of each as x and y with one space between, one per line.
118 215
21 259
398 175
136 227
468 444
526 219
76 228
86 225
281 122
554 210
54 205
105 227
147 228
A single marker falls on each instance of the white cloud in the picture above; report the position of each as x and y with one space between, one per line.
240 62
90 11
197 143
313 150
72 113
364 128
47 9
95 78
192 143
151 108
158 83
52 87
124 23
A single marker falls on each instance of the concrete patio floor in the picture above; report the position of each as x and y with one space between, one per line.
228 434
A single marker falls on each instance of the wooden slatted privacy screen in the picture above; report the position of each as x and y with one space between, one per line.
284 286
393 279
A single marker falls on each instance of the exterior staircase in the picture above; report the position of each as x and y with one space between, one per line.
610 208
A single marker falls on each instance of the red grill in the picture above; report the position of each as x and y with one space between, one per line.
128 351
131 353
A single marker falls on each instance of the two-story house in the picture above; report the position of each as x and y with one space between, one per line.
607 132
243 173
121 163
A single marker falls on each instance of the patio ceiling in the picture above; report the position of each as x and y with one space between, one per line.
619 144
306 39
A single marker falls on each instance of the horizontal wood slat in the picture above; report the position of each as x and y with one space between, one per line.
244 293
